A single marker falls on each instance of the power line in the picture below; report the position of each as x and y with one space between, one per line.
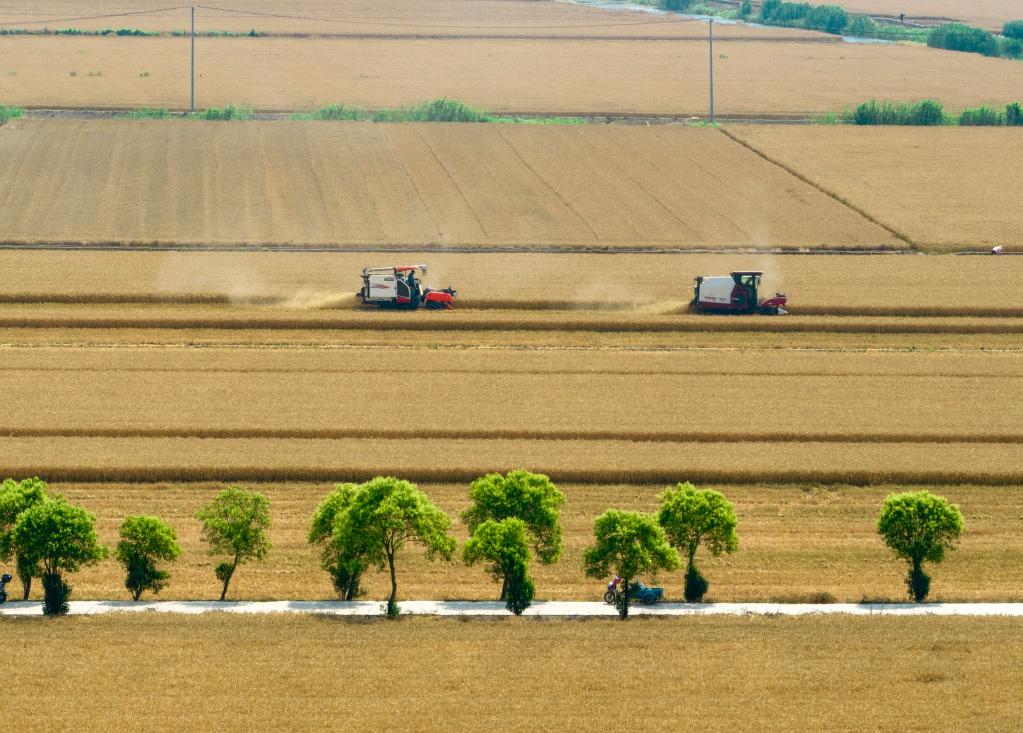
93 17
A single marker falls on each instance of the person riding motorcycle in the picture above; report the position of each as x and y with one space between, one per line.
4 580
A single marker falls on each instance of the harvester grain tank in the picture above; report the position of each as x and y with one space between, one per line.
738 292
401 287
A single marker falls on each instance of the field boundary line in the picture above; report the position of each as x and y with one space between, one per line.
665 436
566 609
827 192
466 474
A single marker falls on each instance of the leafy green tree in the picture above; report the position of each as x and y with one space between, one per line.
628 544
531 497
16 497
505 546
920 527
235 524
57 538
384 515
692 517
145 541
344 564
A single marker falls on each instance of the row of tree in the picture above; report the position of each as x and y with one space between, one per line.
359 527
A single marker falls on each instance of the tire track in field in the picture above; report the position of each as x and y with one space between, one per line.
827 192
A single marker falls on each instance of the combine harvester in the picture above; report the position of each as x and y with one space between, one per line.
401 287
736 294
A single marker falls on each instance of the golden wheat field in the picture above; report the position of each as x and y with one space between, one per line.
797 543
881 172
886 674
309 183
769 77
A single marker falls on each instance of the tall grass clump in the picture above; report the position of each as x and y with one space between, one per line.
962 37
230 112
10 113
338 112
981 117
436 110
145 113
923 113
1013 29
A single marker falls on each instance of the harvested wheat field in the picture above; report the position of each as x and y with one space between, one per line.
647 284
617 77
797 543
309 183
390 18
891 175
783 674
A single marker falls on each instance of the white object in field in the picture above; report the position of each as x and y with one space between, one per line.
382 286
997 250
717 290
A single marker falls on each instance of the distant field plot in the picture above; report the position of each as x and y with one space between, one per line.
890 173
819 284
597 77
990 14
311 183
795 541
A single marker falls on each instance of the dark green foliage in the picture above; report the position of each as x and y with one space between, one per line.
146 113
827 18
235 524
919 527
768 9
56 593
345 564
783 13
504 546
746 9
1010 47
627 544
982 117
338 112
15 498
1013 29
676 6
862 26
693 517
696 585
56 537
926 112
1013 114
381 517
961 37
145 541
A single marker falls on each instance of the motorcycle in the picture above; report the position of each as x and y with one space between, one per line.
4 580
612 590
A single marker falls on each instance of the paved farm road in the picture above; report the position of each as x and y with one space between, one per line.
543 608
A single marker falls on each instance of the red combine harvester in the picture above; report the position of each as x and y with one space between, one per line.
735 293
401 287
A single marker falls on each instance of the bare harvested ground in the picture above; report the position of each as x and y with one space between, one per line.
892 175
754 673
406 185
584 76
820 284
391 17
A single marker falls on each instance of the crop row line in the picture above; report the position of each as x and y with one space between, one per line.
465 474
665 436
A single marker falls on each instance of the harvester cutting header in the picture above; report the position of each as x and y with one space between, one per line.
736 293
401 287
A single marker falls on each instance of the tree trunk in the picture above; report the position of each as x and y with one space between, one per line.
227 578
26 587
504 588
136 594
624 610
392 603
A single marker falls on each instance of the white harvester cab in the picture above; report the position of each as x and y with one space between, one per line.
738 292
401 287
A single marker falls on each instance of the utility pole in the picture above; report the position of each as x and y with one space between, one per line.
193 61
710 40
